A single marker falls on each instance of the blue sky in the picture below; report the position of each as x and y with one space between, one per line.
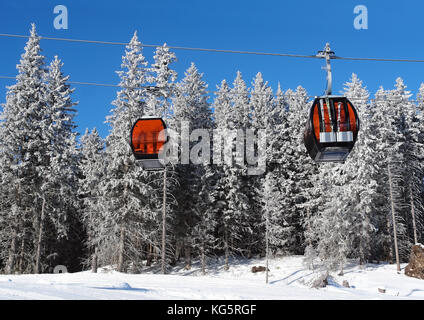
301 27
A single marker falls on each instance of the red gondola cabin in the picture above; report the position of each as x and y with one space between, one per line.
147 140
332 129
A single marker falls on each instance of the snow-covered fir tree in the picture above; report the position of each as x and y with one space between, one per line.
163 78
60 214
277 132
22 157
273 213
191 112
297 170
413 167
261 106
333 225
359 175
232 116
125 190
42 163
205 242
416 187
92 166
403 165
386 152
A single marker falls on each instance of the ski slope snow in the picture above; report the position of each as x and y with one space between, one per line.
288 279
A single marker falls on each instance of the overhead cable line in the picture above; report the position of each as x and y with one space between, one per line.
376 59
171 47
153 88
94 84
218 50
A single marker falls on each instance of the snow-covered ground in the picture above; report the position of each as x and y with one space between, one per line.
288 279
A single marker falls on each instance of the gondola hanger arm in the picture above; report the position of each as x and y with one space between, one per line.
327 54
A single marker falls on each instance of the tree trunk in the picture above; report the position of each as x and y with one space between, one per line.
267 246
187 252
22 255
341 273
10 266
94 261
414 225
203 258
226 266
178 248
163 267
121 249
361 256
149 258
393 218
40 238
94 258
156 254
249 248
363 248
388 243
249 252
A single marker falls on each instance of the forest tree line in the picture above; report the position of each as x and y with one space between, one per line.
84 202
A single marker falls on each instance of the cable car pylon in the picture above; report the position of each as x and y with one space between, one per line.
333 123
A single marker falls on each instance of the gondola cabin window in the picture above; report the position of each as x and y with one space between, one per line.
147 139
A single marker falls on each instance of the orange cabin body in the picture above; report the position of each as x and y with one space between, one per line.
147 138
332 129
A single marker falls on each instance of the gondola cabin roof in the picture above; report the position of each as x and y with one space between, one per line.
147 138
332 129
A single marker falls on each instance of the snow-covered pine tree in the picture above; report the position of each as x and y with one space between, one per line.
277 133
21 141
236 204
190 107
359 174
163 78
408 171
240 103
125 191
223 122
204 239
333 228
414 169
382 239
272 213
389 121
92 167
190 103
260 102
59 174
416 188
261 106
297 172
222 107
